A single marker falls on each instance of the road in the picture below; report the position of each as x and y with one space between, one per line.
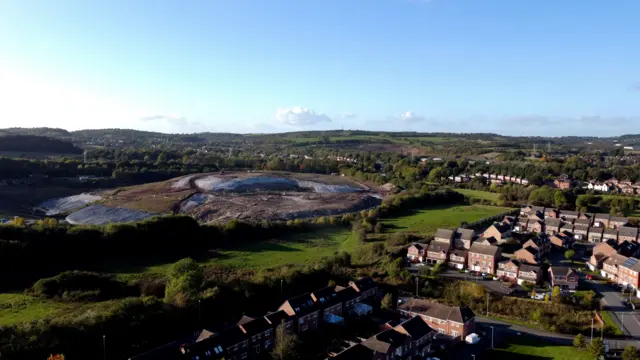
493 286
628 320
502 328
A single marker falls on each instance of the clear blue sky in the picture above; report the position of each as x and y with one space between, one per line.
541 67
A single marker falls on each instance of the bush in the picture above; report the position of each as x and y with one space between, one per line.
82 285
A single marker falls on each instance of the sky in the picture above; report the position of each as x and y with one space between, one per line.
514 67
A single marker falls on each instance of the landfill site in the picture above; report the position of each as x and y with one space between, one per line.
250 196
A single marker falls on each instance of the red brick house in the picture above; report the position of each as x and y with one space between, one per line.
260 333
528 255
551 213
305 310
463 238
628 273
417 253
563 277
567 215
483 258
420 333
508 270
366 287
458 259
456 322
552 226
438 252
529 273
389 344
499 231
444 236
564 240
540 243
535 226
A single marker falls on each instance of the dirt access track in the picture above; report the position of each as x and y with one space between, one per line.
252 196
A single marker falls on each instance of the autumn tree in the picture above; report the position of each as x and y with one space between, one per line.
286 345
387 301
56 357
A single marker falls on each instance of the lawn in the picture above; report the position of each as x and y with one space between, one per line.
300 249
19 308
530 348
477 194
427 221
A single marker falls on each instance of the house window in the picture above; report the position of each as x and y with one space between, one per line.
243 356
304 328
455 334
257 349
267 344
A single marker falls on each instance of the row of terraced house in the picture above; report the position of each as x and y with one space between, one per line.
254 337
426 323
590 227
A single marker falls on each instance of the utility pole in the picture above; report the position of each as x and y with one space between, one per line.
622 323
491 336
281 281
417 283
104 347
591 329
487 304
199 314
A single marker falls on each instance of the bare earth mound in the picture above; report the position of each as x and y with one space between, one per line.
251 196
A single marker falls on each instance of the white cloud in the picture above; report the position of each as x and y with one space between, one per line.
299 116
409 116
348 115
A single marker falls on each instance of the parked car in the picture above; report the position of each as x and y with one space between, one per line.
472 338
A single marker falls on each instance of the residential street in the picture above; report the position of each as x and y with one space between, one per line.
612 299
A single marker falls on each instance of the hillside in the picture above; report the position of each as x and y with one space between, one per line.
39 144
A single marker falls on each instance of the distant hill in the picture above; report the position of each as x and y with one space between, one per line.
47 132
40 144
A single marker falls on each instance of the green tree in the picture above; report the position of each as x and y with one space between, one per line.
556 294
387 301
596 348
185 279
560 200
630 353
569 254
579 341
436 174
285 345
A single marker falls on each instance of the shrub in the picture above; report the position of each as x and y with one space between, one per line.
81 285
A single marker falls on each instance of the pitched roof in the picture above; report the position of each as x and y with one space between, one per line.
465 234
356 352
276 318
531 250
596 230
602 216
569 213
553 222
231 336
244 319
438 247
257 326
615 259
346 294
620 219
364 284
628 231
377 346
484 249
561 270
415 327
530 268
326 296
444 234
501 227
490 241
204 334
303 304
539 209
460 253
514 262
582 222
460 314
418 246
393 338
610 232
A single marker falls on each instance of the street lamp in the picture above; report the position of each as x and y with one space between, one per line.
473 356
491 336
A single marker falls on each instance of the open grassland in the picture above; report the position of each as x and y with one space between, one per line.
529 348
429 220
481 195
295 249
19 308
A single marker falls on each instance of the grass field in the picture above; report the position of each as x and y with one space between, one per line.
19 308
477 194
528 348
429 220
